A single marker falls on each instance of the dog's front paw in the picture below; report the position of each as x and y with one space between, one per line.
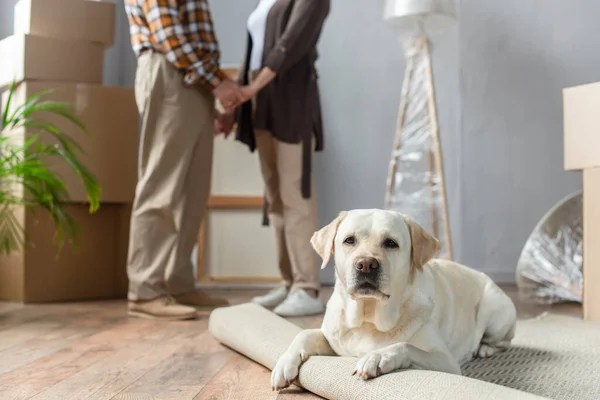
486 351
286 370
378 363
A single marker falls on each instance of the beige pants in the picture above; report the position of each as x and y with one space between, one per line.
293 217
174 171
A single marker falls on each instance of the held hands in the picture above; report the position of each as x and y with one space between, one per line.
231 95
224 122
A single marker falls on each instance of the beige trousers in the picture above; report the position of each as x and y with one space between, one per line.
174 172
293 217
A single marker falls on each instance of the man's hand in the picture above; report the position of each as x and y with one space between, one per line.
229 94
223 123
218 124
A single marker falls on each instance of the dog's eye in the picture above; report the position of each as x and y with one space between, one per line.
390 244
350 240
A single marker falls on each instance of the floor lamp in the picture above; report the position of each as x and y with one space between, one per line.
415 183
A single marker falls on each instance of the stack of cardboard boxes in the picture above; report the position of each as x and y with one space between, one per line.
60 45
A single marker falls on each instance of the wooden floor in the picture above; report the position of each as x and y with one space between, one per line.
90 351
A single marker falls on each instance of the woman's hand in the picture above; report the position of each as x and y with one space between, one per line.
264 77
248 92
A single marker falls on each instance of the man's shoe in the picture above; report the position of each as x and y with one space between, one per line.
272 299
200 299
163 308
299 304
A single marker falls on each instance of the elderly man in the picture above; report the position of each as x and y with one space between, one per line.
177 79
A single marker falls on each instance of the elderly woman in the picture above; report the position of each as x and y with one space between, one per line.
282 120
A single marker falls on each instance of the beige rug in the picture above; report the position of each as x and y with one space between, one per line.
554 357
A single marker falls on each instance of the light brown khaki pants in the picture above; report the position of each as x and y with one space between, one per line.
174 171
293 217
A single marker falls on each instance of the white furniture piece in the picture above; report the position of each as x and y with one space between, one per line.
233 220
415 183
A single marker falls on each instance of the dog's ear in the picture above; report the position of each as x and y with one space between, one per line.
423 246
323 240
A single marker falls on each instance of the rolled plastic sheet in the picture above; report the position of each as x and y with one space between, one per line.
415 179
549 269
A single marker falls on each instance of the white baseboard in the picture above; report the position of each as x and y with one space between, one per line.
239 286
243 286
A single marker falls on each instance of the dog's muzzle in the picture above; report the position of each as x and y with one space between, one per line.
366 276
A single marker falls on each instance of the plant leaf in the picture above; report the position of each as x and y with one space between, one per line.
11 231
28 166
11 92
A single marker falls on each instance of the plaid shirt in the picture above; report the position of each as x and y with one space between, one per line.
183 31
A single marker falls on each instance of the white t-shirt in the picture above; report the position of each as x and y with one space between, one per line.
257 23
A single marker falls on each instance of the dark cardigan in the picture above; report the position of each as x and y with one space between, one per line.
289 107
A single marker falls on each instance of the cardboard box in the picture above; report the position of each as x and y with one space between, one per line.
47 59
582 152
96 269
591 238
582 126
110 114
86 20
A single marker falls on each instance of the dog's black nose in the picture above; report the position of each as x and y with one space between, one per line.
366 264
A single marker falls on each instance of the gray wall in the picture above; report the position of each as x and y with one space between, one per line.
119 63
514 59
499 75
6 17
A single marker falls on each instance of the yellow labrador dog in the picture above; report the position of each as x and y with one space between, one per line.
394 306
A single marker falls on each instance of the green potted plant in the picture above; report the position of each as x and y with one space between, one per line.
27 164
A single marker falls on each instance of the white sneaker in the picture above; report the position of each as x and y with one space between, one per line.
273 298
298 304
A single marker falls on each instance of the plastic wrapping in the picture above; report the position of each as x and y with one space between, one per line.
415 179
550 267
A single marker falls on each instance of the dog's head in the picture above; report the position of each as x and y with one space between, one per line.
376 252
